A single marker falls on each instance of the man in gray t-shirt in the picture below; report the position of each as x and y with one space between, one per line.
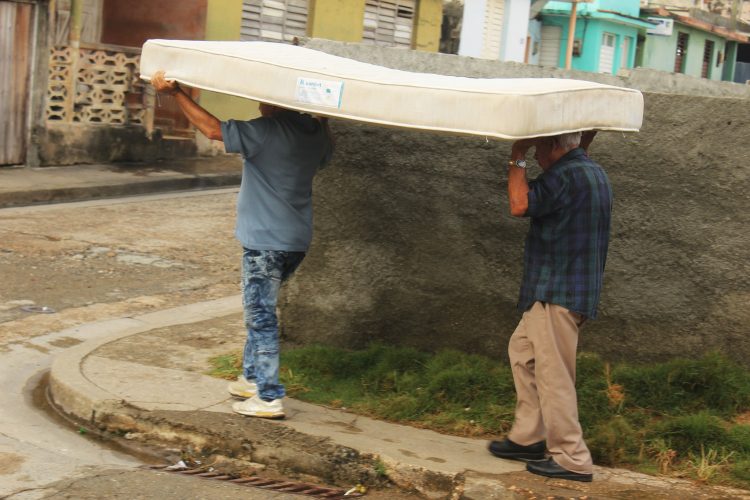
282 151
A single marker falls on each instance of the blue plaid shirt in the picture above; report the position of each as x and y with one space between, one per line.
570 206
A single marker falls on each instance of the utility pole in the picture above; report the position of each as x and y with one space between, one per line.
571 34
572 31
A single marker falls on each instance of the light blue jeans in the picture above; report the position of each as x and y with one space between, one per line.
263 272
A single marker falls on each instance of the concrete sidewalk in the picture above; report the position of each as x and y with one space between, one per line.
27 186
143 377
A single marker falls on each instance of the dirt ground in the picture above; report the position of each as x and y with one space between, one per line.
93 261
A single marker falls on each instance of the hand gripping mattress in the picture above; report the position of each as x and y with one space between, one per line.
319 83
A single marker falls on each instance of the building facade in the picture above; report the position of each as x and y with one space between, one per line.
606 35
496 29
692 45
71 67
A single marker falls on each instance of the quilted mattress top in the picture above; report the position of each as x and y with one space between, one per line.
320 83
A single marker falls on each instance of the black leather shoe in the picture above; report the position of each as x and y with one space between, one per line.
549 468
512 451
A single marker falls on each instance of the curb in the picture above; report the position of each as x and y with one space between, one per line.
39 196
246 440
279 446
78 396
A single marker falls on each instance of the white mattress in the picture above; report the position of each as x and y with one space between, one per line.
316 82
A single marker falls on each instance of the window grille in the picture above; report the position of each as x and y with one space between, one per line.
389 22
708 55
680 56
273 20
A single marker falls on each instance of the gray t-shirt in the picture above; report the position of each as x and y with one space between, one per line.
281 156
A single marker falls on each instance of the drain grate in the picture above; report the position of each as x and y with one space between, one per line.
281 486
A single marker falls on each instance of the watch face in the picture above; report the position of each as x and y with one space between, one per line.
521 163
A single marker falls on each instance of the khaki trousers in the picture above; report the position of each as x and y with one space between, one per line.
542 354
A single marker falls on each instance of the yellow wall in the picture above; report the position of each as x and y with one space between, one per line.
340 20
223 22
427 25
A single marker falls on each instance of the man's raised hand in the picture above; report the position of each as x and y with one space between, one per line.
161 84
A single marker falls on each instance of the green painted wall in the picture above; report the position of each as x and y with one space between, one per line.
659 52
429 18
591 32
730 62
341 20
223 22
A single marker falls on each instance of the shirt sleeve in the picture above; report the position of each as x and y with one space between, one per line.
245 137
546 194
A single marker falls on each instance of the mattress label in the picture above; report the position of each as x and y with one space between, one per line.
319 92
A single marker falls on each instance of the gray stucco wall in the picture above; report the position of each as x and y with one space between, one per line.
638 78
414 244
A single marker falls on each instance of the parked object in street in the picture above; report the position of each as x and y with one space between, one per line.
316 82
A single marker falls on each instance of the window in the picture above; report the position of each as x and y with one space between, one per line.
708 56
681 53
389 22
273 20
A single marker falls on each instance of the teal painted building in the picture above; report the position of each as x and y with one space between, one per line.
606 35
691 47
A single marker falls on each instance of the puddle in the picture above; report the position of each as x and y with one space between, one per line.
65 342
352 429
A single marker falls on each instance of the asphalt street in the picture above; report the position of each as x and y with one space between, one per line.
90 261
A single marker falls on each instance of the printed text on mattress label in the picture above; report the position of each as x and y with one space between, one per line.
319 92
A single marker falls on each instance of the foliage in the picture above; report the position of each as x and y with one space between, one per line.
667 418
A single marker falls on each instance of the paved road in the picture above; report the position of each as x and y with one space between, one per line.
93 261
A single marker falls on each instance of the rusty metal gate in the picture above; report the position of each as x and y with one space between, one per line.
15 71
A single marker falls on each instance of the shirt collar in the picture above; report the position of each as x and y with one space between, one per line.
573 154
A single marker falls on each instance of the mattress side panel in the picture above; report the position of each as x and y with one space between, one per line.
507 116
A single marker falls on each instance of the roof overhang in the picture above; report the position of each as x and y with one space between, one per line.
698 24
604 15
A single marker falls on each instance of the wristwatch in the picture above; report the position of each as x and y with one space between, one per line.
517 163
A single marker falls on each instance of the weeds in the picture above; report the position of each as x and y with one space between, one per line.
664 455
669 418
226 366
706 466
380 469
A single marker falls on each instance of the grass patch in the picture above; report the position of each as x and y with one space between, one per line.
677 418
226 366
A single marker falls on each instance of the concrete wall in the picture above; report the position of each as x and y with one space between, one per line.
472 28
69 144
515 30
414 244
129 23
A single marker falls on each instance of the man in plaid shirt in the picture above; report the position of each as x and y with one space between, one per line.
569 205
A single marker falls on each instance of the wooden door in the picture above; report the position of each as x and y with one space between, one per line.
15 70
625 54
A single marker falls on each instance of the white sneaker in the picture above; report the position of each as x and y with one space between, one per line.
242 388
256 407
